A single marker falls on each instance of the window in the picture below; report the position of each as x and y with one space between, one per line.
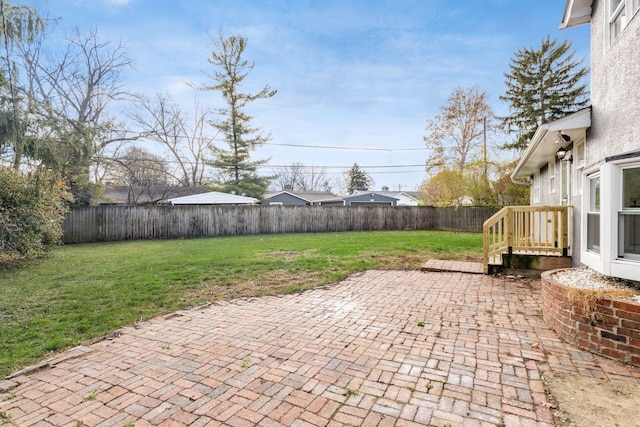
593 215
620 13
617 18
552 176
578 160
535 188
629 216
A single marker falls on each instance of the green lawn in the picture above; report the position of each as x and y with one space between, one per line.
82 292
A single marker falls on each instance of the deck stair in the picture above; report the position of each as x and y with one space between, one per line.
526 239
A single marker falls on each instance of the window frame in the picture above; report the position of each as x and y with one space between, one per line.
619 16
593 213
625 213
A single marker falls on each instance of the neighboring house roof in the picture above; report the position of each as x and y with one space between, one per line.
307 196
414 194
138 194
576 12
213 198
546 142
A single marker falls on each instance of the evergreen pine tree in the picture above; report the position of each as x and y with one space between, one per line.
357 179
543 84
236 171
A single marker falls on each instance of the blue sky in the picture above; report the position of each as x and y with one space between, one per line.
356 74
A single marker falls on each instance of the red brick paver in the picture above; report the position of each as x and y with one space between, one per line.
380 348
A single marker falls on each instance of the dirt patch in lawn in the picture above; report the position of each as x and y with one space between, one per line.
579 401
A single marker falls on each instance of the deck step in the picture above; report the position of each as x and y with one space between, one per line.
441 265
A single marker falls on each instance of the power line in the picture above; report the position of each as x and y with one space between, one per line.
333 147
335 167
372 173
265 165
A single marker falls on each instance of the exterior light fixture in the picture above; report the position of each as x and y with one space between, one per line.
562 137
564 155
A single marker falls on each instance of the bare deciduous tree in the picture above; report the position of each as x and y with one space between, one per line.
68 100
299 177
455 136
137 166
184 136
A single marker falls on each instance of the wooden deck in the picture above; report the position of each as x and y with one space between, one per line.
523 234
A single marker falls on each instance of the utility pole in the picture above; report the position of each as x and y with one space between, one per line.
484 131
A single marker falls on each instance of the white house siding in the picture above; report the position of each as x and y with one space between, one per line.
549 197
404 200
615 84
615 130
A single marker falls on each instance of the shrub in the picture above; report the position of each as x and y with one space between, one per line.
32 208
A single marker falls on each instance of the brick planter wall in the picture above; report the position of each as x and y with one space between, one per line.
614 332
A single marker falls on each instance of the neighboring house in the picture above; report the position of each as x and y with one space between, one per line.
465 201
301 198
143 195
590 160
370 198
405 198
212 198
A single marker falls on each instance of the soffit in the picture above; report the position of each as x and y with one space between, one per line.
576 12
546 142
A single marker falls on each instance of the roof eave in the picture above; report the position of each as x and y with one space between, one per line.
543 145
576 12
537 139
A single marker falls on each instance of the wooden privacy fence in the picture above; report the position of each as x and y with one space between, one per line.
114 223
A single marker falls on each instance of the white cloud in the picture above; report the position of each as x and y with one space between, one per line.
357 73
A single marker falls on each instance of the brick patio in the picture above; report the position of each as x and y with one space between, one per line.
381 348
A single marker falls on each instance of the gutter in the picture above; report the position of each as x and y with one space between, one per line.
535 142
523 183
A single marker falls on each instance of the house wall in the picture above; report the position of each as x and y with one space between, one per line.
574 226
550 193
615 94
370 199
406 201
615 130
